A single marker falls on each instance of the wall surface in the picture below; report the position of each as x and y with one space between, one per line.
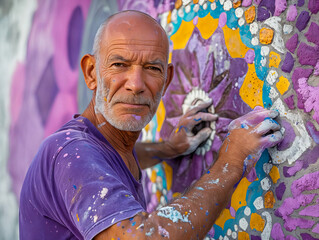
240 54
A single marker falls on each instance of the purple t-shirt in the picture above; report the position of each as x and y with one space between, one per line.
77 186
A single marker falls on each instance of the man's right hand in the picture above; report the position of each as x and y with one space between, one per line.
248 137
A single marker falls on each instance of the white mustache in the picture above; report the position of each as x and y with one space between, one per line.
132 100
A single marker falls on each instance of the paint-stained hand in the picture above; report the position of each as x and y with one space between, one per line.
249 136
184 140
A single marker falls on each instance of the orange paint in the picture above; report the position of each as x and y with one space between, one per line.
269 199
178 4
266 35
250 14
237 3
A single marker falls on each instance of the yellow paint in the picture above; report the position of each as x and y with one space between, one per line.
195 1
181 37
269 199
274 174
251 90
105 99
223 217
169 17
178 4
158 195
176 194
207 26
257 222
274 59
282 85
234 44
170 57
243 236
250 14
168 175
77 217
160 116
153 176
239 196
237 4
211 0
266 35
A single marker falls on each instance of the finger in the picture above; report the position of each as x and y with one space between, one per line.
201 117
194 109
267 125
201 136
272 140
258 108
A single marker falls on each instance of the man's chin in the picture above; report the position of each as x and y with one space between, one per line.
132 124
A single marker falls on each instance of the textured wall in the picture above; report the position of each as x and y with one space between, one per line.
238 53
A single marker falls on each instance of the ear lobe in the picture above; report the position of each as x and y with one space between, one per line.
89 71
170 74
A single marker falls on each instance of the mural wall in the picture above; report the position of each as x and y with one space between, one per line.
240 54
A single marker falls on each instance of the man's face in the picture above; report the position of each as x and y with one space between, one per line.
131 75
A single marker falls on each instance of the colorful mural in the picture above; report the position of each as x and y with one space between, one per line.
240 54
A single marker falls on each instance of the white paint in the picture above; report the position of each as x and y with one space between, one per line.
272 77
214 181
228 5
243 224
201 2
265 235
226 238
163 19
302 140
188 8
277 42
196 8
225 170
287 29
113 220
273 94
265 184
172 214
229 231
247 211
234 235
264 51
259 203
222 2
267 167
241 21
186 2
236 227
239 12
174 15
205 6
95 218
103 193
180 12
263 61
213 6
253 28
255 41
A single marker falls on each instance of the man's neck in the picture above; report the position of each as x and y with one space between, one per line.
122 141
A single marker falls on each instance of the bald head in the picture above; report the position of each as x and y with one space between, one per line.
128 25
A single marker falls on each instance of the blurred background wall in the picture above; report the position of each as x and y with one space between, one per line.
240 53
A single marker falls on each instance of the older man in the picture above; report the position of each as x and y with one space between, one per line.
84 182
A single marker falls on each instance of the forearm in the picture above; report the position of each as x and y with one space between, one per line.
150 154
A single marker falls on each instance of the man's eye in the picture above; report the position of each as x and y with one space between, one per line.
154 68
118 64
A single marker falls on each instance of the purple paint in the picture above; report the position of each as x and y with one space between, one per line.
266 9
312 211
250 56
292 13
290 102
305 183
255 237
257 2
289 136
222 19
288 63
299 73
313 33
232 211
246 3
292 43
290 238
301 3
313 6
280 190
316 229
280 7
309 157
312 131
195 20
307 236
302 20
276 232
252 175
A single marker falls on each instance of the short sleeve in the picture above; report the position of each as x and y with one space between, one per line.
91 191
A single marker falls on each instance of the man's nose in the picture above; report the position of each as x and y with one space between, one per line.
135 80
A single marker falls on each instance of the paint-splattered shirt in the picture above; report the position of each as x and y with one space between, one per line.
77 186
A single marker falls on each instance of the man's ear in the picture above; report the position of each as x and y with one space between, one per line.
88 68
170 74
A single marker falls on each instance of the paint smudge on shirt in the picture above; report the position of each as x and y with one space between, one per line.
103 192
